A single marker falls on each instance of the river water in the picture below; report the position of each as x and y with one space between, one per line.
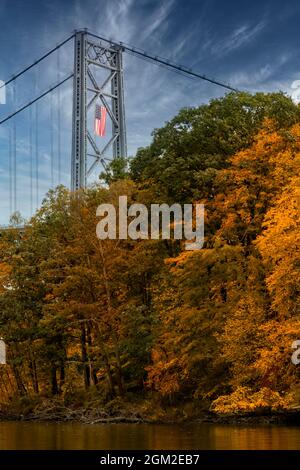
16 435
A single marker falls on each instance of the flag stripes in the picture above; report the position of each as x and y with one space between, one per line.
100 120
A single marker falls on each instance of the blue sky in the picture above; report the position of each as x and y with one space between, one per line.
253 45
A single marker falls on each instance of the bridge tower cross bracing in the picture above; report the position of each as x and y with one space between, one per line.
90 87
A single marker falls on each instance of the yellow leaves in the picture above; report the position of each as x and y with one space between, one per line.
49 297
244 400
254 181
279 245
166 376
5 270
180 259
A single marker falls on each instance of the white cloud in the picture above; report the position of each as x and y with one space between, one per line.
263 78
153 94
240 37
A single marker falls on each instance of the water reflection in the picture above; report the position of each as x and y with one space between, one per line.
142 436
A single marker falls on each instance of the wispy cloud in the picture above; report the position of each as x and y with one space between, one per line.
205 36
266 77
239 38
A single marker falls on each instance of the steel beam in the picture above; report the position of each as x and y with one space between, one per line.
79 139
108 90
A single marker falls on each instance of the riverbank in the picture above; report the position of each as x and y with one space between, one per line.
93 411
134 411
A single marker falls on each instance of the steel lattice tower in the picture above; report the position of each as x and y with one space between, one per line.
89 55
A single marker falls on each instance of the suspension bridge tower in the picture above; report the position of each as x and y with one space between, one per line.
97 82
98 77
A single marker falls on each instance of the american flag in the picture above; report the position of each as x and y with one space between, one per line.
100 120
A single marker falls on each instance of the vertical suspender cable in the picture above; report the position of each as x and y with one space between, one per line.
10 173
36 145
31 158
58 119
51 139
14 154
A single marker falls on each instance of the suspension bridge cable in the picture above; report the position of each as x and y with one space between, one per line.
31 158
17 75
58 119
36 143
36 99
37 153
51 140
134 50
167 63
14 155
178 72
10 172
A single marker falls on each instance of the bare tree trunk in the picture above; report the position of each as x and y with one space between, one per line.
32 371
20 385
4 385
120 378
54 385
93 375
84 355
62 377
16 372
36 382
109 376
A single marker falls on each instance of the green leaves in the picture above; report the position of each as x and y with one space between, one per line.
185 155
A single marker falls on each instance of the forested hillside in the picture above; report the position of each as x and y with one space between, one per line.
146 320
